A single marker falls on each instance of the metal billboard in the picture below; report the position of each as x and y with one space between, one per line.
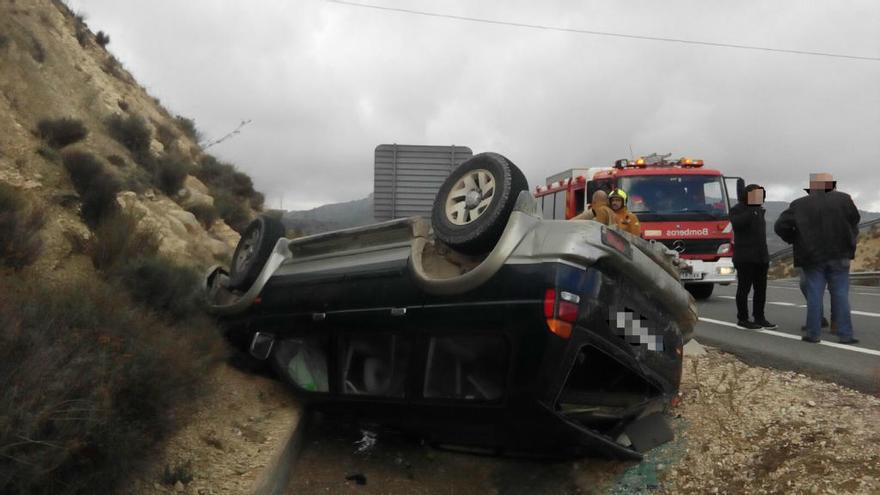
406 178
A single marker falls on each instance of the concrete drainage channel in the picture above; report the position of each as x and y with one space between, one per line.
276 476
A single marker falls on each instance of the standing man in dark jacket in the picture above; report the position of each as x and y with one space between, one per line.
750 257
823 228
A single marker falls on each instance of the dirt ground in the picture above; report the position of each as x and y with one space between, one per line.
755 430
229 443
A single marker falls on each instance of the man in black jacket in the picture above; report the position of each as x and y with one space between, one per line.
750 257
823 229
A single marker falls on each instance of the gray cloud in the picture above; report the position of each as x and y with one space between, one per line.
325 83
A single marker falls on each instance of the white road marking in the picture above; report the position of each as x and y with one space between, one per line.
794 337
778 303
865 313
868 294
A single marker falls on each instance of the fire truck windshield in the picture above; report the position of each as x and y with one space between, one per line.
679 197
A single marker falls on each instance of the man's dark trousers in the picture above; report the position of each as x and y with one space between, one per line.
750 275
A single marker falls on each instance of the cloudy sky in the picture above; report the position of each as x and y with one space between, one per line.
324 83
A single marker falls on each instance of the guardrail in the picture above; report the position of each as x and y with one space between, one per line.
864 278
786 252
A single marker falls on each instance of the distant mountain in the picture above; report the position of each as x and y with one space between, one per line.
332 216
775 208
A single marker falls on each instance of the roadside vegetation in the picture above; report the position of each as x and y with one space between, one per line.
96 371
59 133
20 224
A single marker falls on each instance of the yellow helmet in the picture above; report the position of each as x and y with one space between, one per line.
617 193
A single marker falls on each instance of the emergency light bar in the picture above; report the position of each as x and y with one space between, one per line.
643 162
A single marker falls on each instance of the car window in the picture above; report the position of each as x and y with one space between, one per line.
466 367
374 364
304 361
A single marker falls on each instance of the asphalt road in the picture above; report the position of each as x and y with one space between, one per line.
853 366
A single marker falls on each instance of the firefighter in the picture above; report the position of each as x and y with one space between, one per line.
598 210
625 220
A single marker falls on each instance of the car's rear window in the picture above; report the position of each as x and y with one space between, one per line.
466 367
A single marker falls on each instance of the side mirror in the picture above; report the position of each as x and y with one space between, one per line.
261 345
740 188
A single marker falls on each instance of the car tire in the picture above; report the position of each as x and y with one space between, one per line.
700 291
253 249
473 204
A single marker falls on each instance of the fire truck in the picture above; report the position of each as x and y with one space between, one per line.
678 202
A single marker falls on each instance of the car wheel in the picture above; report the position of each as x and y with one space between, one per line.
700 291
473 204
254 247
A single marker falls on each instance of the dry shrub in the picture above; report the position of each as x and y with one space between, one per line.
91 385
188 126
232 211
102 39
132 132
205 214
162 285
230 188
95 185
169 174
59 133
118 238
20 225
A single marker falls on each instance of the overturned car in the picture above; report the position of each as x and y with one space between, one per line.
486 327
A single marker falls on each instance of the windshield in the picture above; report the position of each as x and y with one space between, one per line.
684 197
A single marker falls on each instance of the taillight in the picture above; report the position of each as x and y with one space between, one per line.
561 313
614 240
549 303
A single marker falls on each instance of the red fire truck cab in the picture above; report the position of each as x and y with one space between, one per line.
678 202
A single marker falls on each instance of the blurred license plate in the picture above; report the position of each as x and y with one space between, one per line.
691 276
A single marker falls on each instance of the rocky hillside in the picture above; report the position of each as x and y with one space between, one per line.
64 95
775 208
867 256
109 210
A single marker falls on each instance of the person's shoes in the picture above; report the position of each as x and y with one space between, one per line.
811 340
747 325
824 322
765 324
851 340
833 328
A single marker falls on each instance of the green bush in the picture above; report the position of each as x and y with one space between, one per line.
132 132
232 211
58 133
118 239
96 187
165 287
205 214
20 225
91 385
